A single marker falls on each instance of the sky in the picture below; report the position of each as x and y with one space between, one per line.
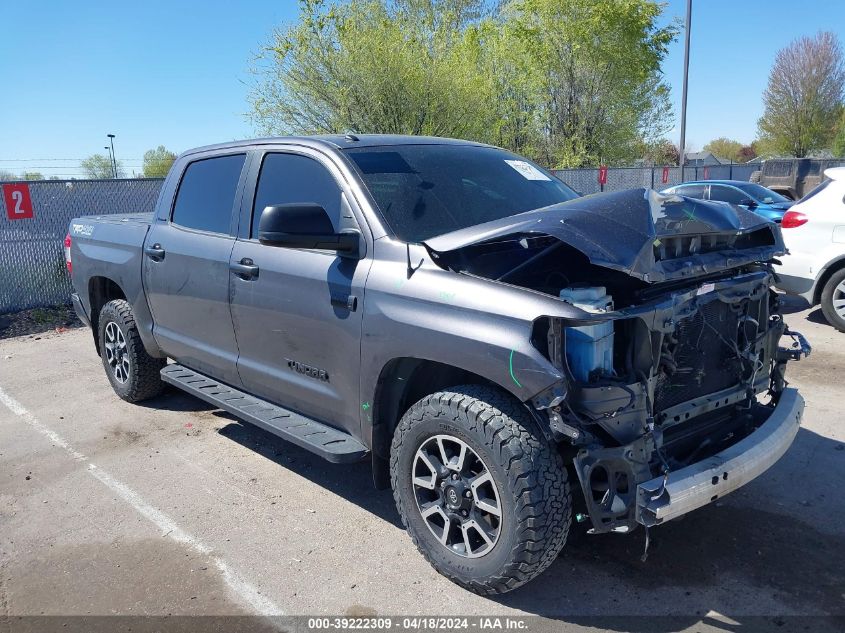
177 73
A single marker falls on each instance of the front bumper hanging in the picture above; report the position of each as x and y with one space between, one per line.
669 496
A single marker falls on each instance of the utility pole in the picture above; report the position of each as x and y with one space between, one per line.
682 151
108 153
114 162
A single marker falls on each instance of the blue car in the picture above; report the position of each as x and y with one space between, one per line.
748 195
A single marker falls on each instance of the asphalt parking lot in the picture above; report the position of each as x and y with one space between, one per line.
175 508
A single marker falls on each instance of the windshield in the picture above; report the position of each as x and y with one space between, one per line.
428 190
761 194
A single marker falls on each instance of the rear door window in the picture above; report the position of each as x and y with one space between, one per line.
691 191
206 195
727 194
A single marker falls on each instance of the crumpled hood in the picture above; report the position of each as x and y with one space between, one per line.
630 231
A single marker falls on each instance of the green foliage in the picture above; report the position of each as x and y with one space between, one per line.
593 69
99 166
41 315
724 148
803 99
662 152
157 162
6 175
838 146
730 149
369 67
765 146
566 82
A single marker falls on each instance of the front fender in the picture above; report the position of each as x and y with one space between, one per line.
470 323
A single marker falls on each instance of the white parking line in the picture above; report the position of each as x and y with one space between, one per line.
248 594
19 410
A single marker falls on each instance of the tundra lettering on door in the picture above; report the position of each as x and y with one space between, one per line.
308 370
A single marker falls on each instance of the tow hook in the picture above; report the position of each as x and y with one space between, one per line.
800 347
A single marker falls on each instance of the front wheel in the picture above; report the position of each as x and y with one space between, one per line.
481 491
134 375
833 300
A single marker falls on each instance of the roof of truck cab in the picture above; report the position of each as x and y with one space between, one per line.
337 141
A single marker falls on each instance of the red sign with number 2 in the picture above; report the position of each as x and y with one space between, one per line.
18 202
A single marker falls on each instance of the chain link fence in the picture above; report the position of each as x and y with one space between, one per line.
586 181
32 261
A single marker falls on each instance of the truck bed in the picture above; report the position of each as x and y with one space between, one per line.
110 247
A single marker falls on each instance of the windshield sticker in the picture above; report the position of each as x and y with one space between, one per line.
528 171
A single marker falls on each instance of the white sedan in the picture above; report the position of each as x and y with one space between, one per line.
814 233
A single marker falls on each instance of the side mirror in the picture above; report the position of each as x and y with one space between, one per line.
747 202
304 225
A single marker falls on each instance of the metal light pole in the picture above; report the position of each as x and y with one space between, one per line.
684 95
114 162
109 156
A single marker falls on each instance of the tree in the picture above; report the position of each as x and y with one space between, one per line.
594 67
838 146
373 67
99 166
804 96
157 162
724 148
663 152
32 175
563 81
746 153
6 176
730 149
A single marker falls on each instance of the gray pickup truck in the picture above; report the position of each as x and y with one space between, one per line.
507 354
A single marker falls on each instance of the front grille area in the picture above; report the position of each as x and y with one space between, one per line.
702 356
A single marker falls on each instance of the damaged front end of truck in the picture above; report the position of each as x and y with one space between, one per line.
674 392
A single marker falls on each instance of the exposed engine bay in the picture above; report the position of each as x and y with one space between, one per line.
675 354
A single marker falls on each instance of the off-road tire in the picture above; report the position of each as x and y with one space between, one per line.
827 300
528 472
144 378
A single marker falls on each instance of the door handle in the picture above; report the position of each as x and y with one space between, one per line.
245 269
154 252
349 302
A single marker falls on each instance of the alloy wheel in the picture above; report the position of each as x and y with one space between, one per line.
116 352
838 299
456 496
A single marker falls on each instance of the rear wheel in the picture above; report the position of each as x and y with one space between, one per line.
133 374
833 300
482 493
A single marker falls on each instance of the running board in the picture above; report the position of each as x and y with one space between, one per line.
326 441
